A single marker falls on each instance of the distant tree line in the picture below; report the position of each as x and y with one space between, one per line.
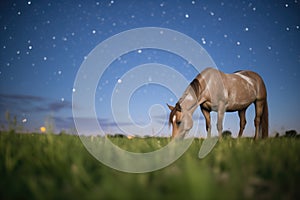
291 133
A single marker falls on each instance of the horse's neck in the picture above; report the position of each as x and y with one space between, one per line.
188 101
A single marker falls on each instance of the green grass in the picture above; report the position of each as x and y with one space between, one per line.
36 166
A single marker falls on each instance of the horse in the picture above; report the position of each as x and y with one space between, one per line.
214 90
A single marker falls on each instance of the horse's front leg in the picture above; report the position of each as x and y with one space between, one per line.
206 114
221 112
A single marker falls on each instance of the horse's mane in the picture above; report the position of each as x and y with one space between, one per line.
195 84
237 71
176 108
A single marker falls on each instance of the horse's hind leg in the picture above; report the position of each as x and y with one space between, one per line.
258 113
243 121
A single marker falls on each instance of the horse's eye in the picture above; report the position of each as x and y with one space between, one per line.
178 123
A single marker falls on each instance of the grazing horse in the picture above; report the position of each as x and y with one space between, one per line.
216 91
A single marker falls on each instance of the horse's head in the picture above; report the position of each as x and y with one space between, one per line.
180 119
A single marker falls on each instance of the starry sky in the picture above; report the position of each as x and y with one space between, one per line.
43 44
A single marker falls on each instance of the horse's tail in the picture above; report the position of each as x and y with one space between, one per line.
265 121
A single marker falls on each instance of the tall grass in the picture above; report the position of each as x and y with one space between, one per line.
36 166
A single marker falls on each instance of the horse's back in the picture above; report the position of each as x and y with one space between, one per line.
215 75
250 74
257 80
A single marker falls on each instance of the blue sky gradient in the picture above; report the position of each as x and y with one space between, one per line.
43 44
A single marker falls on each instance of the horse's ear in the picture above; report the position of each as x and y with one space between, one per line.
170 107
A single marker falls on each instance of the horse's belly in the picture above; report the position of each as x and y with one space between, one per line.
238 105
208 105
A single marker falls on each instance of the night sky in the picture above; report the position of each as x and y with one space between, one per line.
43 44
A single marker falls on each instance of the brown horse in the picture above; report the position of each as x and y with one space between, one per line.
216 91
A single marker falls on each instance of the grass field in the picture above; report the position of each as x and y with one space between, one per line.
46 166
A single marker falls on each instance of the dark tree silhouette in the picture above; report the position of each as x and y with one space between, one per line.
226 134
291 133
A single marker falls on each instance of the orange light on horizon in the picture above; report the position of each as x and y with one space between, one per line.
43 129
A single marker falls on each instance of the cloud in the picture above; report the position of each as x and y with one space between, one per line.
53 106
86 126
37 108
21 97
104 122
163 119
57 106
17 103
